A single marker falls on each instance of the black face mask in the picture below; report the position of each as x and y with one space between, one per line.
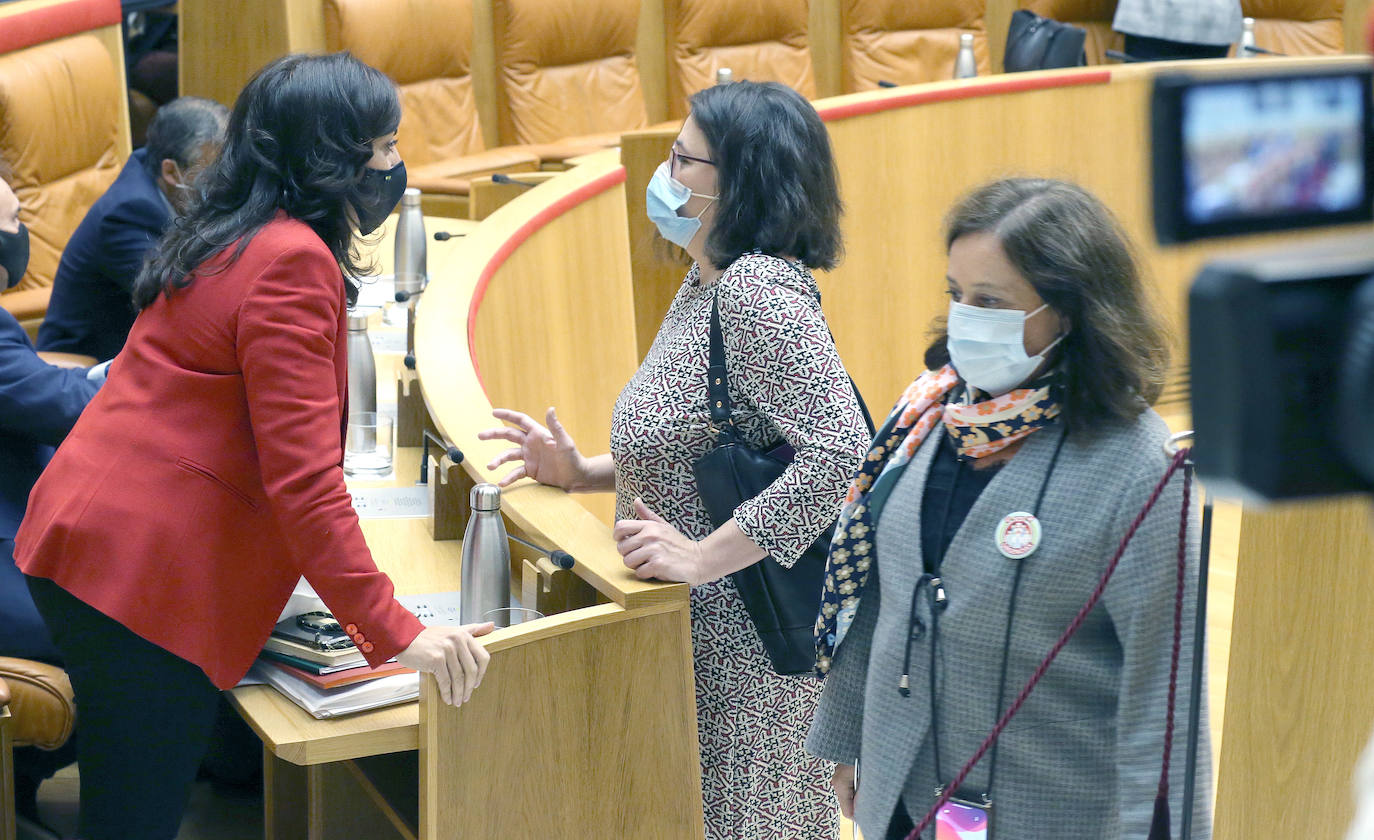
14 254
386 186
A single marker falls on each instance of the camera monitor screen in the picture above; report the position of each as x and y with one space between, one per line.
1242 155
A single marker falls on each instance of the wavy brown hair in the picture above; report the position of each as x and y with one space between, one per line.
1070 247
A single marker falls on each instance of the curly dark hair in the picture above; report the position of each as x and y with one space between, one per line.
1070 247
779 192
298 140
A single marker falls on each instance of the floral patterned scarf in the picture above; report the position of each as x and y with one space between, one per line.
979 429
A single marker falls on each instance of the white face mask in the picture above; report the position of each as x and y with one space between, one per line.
987 346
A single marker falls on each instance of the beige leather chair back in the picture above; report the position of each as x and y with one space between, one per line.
759 40
60 132
907 43
433 73
1094 16
566 68
1298 27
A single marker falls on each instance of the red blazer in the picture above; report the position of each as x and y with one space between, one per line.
205 477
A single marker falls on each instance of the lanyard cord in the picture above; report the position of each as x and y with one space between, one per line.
1006 639
1178 460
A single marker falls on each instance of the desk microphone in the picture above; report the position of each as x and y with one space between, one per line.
503 178
1261 50
402 297
444 236
1125 58
883 83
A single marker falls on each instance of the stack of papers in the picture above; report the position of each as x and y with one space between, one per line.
323 703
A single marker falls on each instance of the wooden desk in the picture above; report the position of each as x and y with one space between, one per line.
309 764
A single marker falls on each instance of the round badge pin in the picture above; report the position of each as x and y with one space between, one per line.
1018 535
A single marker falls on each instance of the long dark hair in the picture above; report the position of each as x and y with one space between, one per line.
776 175
1071 248
298 140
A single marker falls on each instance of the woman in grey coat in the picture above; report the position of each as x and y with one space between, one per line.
994 497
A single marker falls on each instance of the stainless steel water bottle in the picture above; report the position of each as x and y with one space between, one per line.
965 64
362 381
486 561
1247 39
411 272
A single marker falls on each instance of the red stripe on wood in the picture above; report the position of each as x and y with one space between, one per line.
524 232
52 22
1010 83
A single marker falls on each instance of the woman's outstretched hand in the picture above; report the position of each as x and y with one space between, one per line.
453 655
547 454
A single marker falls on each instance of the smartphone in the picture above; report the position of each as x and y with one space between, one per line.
961 820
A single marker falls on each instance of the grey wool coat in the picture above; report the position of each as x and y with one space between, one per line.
1213 22
1081 759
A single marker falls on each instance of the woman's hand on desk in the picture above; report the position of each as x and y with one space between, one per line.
453 655
547 455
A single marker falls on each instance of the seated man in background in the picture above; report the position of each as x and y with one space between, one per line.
91 309
39 404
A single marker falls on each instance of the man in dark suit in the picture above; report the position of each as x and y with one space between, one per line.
39 404
91 310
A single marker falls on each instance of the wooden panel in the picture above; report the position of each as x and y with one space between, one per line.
585 734
485 85
284 795
1298 710
486 195
223 44
826 42
658 270
652 60
6 777
997 20
1356 24
549 330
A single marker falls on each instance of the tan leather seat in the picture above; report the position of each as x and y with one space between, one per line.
60 113
566 73
41 702
759 40
1094 16
1298 27
907 43
440 135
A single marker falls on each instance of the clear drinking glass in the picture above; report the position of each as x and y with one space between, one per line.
367 447
511 616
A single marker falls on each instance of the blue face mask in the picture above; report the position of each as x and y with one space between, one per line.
664 197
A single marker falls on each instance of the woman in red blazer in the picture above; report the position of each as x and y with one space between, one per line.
166 536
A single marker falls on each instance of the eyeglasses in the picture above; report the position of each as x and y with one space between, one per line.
674 156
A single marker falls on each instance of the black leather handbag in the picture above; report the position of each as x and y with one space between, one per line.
1039 43
782 602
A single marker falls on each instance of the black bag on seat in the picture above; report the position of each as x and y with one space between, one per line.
1039 43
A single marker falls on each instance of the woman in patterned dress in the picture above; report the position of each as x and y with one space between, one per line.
749 191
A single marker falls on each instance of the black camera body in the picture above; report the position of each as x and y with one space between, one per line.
1282 361
1281 342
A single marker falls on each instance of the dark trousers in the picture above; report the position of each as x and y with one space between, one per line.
25 635
146 717
1158 49
901 824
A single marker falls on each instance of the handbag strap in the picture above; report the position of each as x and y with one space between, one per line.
718 377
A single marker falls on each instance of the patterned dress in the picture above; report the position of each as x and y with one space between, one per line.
786 380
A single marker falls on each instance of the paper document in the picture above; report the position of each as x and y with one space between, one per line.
333 702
